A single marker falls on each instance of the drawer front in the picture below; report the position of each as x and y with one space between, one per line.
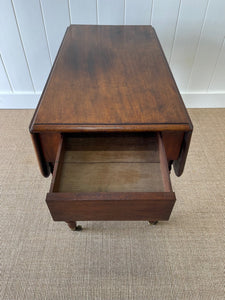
111 177
110 206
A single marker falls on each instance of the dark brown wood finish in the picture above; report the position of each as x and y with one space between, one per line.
110 163
111 78
119 71
50 143
72 225
164 165
114 79
58 165
112 203
110 206
180 162
110 105
43 162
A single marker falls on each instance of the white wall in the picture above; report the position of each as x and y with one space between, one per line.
192 34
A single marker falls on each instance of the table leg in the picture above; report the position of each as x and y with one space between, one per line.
73 226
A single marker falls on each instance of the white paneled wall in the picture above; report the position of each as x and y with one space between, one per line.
56 18
192 34
138 12
83 11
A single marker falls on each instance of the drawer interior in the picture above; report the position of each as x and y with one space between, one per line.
111 163
111 177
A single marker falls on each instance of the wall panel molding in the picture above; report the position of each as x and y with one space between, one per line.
165 16
218 77
186 39
83 12
52 11
192 34
31 27
210 43
5 85
138 12
12 51
111 12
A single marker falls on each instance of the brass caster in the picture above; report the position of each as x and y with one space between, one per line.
153 222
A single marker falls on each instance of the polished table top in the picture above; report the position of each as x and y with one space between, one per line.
113 77
110 86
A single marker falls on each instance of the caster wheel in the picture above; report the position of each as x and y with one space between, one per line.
153 222
73 226
78 228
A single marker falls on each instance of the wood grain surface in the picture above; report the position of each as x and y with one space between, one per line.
110 206
110 163
110 76
93 184
111 79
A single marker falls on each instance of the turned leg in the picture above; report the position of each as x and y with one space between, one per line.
73 226
153 222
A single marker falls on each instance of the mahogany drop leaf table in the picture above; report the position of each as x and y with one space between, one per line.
109 125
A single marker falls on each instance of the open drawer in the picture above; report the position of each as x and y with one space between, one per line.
111 177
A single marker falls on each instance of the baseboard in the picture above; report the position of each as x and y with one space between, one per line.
191 100
19 101
201 100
